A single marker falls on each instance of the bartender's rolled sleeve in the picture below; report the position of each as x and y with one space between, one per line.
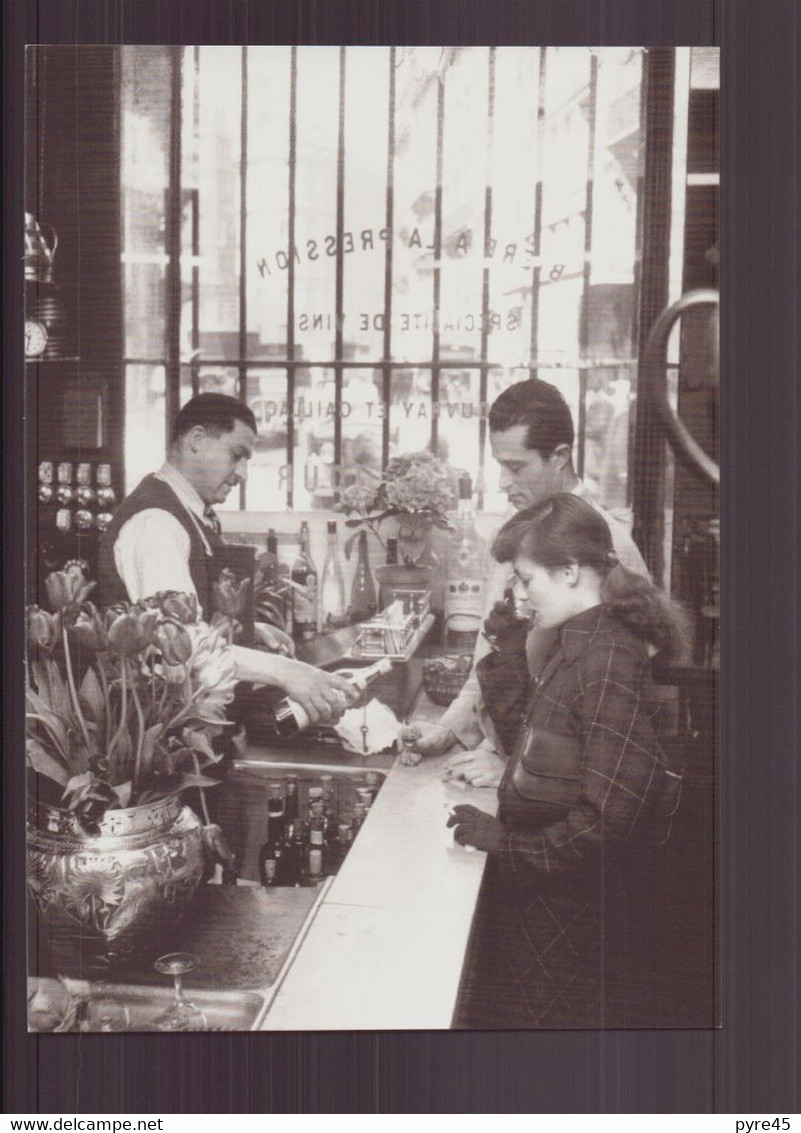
151 553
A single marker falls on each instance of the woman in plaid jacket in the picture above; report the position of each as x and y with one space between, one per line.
587 789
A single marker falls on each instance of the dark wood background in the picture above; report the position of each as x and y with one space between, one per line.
750 1065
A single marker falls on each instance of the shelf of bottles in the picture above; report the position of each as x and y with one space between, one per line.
305 830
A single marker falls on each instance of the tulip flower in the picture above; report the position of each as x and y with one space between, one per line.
178 606
43 628
67 587
88 628
174 642
132 632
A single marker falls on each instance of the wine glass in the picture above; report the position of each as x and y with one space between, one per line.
182 1014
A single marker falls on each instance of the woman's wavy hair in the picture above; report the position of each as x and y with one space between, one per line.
564 529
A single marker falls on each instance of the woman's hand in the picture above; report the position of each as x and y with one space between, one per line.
418 739
480 768
475 827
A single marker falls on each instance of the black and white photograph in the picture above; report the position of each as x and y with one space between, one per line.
372 537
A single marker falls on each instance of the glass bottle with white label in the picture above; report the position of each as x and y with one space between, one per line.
465 586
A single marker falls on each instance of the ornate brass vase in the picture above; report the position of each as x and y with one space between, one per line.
103 900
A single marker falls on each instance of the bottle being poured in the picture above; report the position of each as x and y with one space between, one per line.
290 718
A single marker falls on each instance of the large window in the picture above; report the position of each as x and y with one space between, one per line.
369 244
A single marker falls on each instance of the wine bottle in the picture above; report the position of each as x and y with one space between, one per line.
363 596
466 575
293 854
304 591
291 799
289 717
283 572
332 585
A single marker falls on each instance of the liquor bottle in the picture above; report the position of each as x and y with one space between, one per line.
466 584
276 814
365 796
269 863
293 854
363 596
283 572
332 585
392 551
268 872
317 851
304 592
339 848
329 806
288 717
291 799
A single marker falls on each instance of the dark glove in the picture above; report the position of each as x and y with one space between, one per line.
504 630
475 827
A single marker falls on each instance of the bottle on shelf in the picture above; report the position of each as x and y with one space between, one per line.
304 591
363 595
364 796
289 718
317 850
294 853
329 805
291 803
269 859
276 813
283 571
465 573
339 848
332 585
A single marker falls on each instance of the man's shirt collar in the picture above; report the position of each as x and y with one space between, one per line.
188 495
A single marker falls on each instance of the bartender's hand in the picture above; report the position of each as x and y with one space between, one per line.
419 738
273 639
480 768
323 696
475 827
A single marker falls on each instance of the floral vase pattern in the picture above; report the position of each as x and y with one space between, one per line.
101 899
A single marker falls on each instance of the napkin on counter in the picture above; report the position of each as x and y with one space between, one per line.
381 723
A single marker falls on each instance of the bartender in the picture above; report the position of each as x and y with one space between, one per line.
531 437
165 535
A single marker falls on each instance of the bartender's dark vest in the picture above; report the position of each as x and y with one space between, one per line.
204 569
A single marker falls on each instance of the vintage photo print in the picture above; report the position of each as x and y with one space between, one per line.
372 546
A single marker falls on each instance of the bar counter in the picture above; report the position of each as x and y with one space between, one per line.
386 946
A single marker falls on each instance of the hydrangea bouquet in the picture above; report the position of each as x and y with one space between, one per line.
122 703
417 489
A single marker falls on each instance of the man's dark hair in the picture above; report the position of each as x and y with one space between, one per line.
216 412
541 407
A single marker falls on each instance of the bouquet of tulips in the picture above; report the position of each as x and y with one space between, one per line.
123 702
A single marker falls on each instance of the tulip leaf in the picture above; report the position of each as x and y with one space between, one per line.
200 742
123 793
91 697
46 764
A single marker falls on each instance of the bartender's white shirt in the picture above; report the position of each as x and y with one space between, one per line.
151 552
